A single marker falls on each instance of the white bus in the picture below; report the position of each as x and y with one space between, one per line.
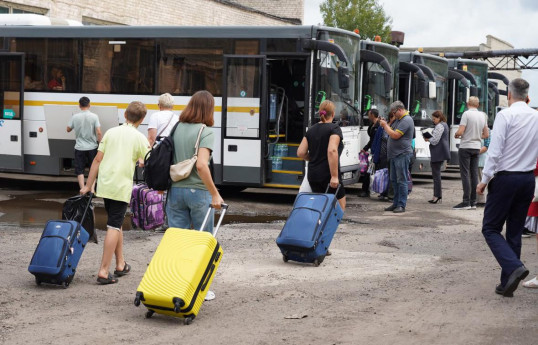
267 83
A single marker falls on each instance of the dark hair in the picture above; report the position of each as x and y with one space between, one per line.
438 114
135 111
200 109
84 102
374 112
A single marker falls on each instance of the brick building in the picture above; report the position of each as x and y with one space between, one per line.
164 12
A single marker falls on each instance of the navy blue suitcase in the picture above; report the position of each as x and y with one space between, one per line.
310 228
59 250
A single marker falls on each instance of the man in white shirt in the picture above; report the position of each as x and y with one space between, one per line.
508 172
473 128
162 121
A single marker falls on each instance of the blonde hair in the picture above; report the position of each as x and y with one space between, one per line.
166 101
473 101
326 109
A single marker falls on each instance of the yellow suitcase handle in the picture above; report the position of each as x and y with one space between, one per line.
224 208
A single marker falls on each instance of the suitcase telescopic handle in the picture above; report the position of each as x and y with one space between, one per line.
329 186
224 208
87 207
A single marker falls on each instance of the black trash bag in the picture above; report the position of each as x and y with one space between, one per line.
74 210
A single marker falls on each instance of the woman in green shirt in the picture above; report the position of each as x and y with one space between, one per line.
189 199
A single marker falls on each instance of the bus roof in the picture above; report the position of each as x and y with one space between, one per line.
112 31
453 63
365 43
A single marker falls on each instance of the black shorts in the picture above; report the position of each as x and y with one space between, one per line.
321 187
83 159
116 213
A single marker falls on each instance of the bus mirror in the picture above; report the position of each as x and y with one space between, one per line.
423 89
343 78
432 90
467 94
474 91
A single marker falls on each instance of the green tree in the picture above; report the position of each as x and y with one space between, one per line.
368 16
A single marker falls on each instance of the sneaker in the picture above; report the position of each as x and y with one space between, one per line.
526 233
473 206
462 206
390 208
210 295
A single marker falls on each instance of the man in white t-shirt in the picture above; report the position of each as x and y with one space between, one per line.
162 122
473 128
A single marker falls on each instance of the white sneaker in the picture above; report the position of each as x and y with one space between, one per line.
210 295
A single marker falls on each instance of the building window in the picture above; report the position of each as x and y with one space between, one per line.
8 7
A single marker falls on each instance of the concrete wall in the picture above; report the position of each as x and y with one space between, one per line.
165 12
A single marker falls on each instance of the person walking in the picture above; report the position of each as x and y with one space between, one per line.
88 135
399 152
531 225
508 173
439 153
115 163
161 122
321 147
373 116
472 129
189 199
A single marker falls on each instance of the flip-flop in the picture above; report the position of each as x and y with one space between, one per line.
126 269
533 283
105 281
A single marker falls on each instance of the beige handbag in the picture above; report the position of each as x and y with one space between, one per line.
182 170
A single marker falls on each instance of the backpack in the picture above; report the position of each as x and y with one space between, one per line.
157 163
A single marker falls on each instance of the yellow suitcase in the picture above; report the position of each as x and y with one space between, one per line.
180 272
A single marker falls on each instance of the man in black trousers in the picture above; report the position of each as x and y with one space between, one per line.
509 169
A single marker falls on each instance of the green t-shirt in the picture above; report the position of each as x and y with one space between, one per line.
184 141
121 146
84 124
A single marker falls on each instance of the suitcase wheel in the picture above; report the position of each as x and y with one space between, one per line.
316 263
285 258
138 298
65 285
37 281
149 314
188 320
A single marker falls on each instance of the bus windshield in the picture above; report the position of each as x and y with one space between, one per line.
423 107
327 86
375 94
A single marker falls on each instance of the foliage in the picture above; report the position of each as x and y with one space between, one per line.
366 15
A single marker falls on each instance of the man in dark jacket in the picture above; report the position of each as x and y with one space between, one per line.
373 116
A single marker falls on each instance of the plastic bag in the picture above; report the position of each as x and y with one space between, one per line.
73 209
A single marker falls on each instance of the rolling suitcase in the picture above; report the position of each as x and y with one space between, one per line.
147 207
59 250
180 272
310 227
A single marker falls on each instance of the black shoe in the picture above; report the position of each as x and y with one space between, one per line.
364 194
436 200
462 206
391 208
480 204
500 291
399 209
526 233
515 277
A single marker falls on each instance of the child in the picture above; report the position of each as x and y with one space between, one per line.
115 162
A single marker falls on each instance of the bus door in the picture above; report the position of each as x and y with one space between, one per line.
243 131
11 109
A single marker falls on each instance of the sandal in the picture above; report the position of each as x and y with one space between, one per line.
533 283
105 281
126 269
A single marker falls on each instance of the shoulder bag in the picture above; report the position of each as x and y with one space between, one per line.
182 170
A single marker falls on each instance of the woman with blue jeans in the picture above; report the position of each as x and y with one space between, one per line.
189 199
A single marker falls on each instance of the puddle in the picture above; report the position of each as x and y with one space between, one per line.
34 210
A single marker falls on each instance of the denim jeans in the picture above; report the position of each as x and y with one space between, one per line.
399 166
188 206
469 174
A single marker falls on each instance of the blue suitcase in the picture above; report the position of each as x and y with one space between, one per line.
59 250
310 228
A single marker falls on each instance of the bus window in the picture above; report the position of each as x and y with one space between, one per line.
35 60
62 64
189 65
96 66
244 47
